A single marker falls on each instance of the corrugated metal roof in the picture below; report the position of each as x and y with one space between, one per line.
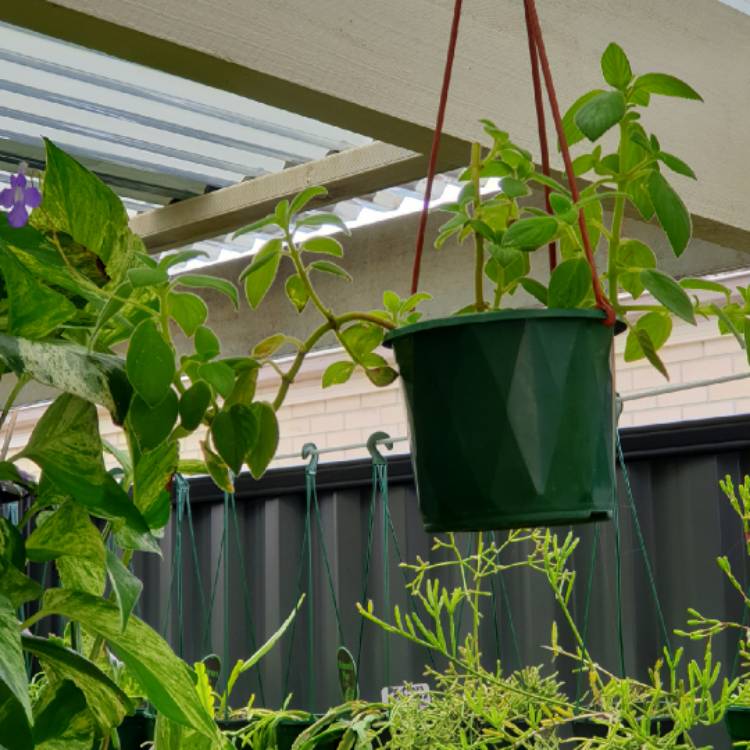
151 135
157 138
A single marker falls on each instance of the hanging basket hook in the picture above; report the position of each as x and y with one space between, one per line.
310 451
379 438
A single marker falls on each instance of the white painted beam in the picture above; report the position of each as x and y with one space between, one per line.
352 173
375 68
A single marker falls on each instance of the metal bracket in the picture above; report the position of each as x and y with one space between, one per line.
382 438
310 450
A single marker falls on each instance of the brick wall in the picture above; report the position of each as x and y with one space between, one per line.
347 414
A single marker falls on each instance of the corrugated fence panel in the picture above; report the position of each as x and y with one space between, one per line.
684 521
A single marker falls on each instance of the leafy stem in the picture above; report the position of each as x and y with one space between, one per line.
22 380
617 218
478 238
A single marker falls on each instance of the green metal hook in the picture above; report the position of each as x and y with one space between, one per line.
310 450
372 446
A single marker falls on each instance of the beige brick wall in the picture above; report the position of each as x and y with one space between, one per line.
347 414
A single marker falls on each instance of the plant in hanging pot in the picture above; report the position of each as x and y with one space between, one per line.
511 411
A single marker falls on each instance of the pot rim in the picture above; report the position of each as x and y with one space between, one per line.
495 316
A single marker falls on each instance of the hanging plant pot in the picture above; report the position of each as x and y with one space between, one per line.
136 730
737 720
512 418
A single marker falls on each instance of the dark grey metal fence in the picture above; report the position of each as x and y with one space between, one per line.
685 522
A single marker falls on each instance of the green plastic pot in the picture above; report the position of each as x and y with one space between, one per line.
737 721
512 418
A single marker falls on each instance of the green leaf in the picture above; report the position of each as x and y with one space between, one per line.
572 133
66 531
649 351
260 274
12 667
529 234
569 283
634 254
126 587
324 245
561 204
62 720
535 289
165 679
267 441
77 203
152 473
270 345
189 310
671 212
181 256
675 164
11 544
207 344
66 445
235 432
638 193
255 226
201 281
326 266
513 263
99 378
362 338
14 726
706 286
17 587
245 384
143 277
513 188
304 197
297 292
600 113
150 363
338 372
381 376
657 325
665 85
107 702
323 219
152 425
36 319
616 67
667 291
193 405
217 469
281 213
271 642
220 375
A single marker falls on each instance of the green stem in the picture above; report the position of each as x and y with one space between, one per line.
22 380
617 218
31 621
478 238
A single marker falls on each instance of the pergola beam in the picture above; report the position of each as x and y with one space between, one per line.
351 173
375 68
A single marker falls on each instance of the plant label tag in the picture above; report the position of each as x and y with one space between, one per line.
406 689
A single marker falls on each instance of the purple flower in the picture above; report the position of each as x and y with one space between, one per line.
19 197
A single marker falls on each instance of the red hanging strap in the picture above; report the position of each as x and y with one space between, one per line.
535 32
541 126
538 57
435 145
